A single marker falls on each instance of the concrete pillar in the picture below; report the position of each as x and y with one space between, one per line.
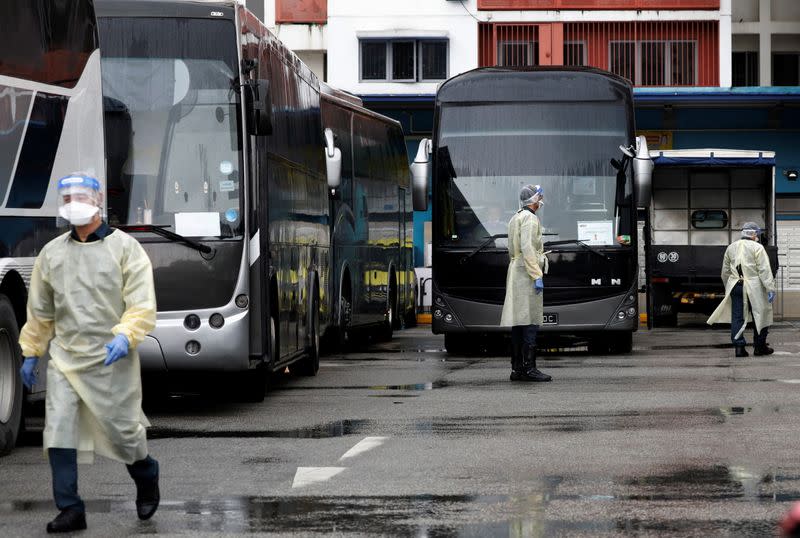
765 43
725 44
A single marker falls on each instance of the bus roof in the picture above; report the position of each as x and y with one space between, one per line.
166 8
520 84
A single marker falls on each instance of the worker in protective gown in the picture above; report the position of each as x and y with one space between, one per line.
749 291
92 300
523 306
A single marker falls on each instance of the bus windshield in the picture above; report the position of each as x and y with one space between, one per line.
172 126
487 152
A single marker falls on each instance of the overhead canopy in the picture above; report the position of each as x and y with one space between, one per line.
713 157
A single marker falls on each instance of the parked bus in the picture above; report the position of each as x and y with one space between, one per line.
50 126
570 130
372 283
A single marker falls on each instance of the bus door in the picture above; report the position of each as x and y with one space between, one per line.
402 254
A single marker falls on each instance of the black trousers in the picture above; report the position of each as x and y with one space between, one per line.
524 335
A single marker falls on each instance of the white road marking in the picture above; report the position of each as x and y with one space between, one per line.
783 353
312 475
367 443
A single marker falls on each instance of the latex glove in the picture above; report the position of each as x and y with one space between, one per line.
117 349
770 296
27 371
538 285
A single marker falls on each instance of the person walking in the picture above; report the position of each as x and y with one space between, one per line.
749 292
523 305
92 300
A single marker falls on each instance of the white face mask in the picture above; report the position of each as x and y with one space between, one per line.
78 213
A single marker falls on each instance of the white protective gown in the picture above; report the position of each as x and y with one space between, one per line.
81 296
522 305
757 282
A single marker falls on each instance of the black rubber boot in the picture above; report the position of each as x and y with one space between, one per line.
147 496
517 364
741 351
68 520
763 349
531 372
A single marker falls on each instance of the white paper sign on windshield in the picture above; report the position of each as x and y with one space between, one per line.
196 224
598 232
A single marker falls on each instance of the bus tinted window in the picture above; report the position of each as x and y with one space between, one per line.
172 120
46 41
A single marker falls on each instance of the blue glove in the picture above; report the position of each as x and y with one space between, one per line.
538 285
27 371
117 349
770 296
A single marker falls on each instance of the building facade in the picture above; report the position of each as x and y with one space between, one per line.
707 73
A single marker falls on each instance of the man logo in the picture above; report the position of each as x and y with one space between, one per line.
597 282
616 282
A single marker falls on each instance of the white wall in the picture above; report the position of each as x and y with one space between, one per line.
406 18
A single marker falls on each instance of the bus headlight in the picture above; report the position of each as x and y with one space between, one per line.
631 312
242 301
192 322
621 315
216 320
192 347
438 314
449 318
439 301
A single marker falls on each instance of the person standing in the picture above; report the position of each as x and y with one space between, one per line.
749 291
523 305
92 300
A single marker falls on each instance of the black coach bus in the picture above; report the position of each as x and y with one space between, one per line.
216 164
571 131
372 278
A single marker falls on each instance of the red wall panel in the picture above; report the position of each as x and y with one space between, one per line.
301 11
597 4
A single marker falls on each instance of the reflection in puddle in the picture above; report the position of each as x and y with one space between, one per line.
338 428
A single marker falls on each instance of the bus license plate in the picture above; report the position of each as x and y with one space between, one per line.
550 319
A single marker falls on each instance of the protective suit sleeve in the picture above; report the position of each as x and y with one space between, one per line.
726 266
764 269
527 233
39 327
139 294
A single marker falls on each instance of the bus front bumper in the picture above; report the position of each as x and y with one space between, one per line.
591 316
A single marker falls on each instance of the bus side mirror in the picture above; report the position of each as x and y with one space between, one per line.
333 161
420 172
643 173
259 107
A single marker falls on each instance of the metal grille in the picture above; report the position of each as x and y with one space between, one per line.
668 53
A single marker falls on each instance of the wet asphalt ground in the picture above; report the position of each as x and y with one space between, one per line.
401 439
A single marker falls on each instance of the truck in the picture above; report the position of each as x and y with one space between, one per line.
700 200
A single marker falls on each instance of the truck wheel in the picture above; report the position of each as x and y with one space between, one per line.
11 388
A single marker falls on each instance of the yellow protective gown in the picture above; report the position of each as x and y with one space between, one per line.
522 306
757 282
81 296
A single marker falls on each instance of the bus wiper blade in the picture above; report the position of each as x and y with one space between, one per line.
482 246
579 243
159 229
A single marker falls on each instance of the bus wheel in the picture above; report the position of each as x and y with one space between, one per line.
345 317
621 344
391 313
309 365
11 388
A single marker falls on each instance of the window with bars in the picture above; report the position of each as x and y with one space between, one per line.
745 68
517 53
655 63
575 53
404 60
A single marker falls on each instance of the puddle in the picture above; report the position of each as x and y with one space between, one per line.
411 387
338 428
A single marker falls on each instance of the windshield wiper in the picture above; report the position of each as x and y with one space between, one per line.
579 243
158 229
483 246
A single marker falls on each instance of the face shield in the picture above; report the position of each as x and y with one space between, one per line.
751 230
78 199
531 194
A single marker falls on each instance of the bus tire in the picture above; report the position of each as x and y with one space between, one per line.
389 324
11 389
345 318
309 364
621 344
